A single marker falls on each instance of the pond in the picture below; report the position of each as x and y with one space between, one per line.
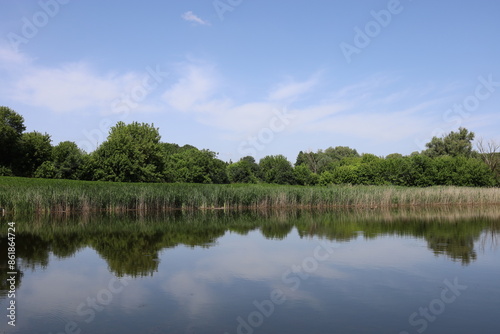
296 271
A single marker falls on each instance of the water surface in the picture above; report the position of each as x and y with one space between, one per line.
365 271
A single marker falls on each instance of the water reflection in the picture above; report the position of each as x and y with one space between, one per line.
198 271
131 243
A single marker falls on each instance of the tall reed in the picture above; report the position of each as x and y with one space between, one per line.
40 195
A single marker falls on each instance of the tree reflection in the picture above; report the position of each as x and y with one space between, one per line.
131 243
460 248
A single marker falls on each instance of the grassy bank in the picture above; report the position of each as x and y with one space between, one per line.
41 195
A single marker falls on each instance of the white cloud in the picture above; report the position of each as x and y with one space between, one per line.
193 295
196 92
291 90
195 85
11 60
69 87
191 17
243 119
370 109
379 126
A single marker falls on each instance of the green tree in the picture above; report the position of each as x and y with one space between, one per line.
420 171
131 153
333 157
35 149
454 144
276 169
490 154
301 159
462 171
304 176
341 174
47 170
195 166
68 160
311 160
325 160
393 169
169 149
11 129
371 170
246 170
5 171
394 156
340 152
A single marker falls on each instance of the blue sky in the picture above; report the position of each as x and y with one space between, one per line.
243 77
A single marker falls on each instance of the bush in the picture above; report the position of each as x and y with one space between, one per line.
243 171
303 176
5 171
47 170
276 169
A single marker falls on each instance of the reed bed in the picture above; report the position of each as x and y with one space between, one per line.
41 195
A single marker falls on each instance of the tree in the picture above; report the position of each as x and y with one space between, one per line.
5 171
169 149
333 157
35 149
322 160
346 174
340 152
47 170
195 166
462 171
490 154
394 156
371 170
393 169
454 144
419 171
309 159
11 129
301 159
304 176
246 170
131 153
276 169
68 160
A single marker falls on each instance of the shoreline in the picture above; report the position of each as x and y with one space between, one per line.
26 195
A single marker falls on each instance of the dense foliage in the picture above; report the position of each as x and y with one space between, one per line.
123 240
134 153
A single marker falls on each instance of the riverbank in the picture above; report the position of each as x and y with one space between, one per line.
49 195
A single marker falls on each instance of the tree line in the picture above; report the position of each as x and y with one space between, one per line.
135 153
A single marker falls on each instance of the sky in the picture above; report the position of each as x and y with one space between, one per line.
261 77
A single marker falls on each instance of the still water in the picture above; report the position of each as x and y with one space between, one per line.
358 271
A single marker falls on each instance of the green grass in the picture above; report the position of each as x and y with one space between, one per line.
43 195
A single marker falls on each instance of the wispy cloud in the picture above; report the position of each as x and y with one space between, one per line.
368 109
195 85
291 89
70 87
374 108
191 17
